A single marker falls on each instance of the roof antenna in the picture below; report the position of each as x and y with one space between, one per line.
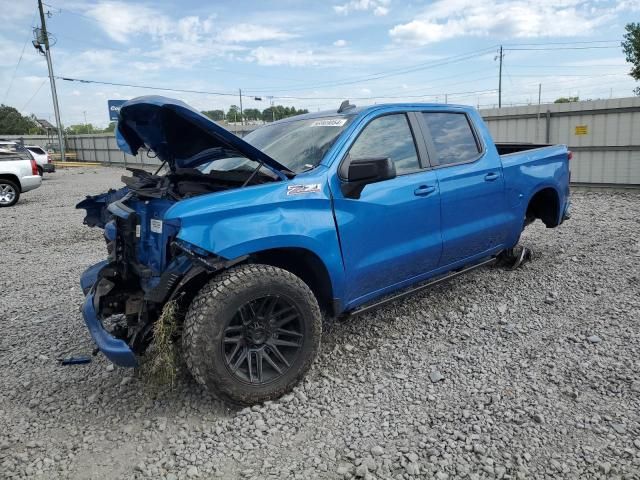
344 106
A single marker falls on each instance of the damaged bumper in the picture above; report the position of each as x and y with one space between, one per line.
113 348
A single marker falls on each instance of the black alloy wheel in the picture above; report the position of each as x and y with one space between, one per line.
251 333
263 339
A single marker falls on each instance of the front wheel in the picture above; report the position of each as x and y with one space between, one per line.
252 333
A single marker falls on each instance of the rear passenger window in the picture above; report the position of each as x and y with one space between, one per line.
388 137
452 137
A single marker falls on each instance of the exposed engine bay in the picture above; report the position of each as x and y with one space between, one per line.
182 183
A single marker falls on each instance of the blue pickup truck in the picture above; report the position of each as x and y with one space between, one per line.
336 212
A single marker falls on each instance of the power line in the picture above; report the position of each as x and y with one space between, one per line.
34 95
563 48
564 43
289 97
386 73
148 87
15 70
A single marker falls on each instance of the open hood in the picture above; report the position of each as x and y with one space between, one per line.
179 135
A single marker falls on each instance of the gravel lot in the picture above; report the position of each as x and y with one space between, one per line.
523 374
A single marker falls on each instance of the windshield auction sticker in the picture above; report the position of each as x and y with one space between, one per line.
329 122
301 189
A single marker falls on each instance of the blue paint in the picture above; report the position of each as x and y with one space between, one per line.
400 231
113 348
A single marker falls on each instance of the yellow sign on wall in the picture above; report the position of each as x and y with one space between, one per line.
582 130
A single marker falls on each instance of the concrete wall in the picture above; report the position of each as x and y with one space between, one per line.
603 134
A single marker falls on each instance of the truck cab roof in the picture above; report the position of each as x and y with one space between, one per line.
365 109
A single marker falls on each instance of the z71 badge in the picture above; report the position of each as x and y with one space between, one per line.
300 189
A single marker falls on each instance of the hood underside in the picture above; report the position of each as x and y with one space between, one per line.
182 136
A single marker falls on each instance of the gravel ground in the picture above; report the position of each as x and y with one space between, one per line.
523 374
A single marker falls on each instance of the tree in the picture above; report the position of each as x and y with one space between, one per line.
12 122
252 114
233 115
278 112
81 129
111 128
631 49
215 115
566 99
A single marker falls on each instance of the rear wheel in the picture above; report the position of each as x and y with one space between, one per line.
252 333
9 193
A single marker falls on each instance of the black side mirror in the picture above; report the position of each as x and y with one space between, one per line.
359 172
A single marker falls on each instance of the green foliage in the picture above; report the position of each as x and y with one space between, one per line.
252 114
215 115
566 99
82 129
111 128
631 49
278 112
12 122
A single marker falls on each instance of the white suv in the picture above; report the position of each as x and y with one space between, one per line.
42 158
18 173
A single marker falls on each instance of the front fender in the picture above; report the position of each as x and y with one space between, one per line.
250 220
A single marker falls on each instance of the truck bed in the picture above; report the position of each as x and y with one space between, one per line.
508 148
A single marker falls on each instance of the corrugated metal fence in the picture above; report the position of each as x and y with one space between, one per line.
603 134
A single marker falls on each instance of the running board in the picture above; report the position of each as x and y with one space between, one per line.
411 291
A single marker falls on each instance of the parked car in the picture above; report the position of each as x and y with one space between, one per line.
336 211
18 173
42 158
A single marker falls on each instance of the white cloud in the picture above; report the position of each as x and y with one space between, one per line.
340 43
282 56
378 7
510 19
245 32
122 20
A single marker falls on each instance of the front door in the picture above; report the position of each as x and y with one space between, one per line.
392 232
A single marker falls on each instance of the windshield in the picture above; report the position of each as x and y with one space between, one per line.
299 145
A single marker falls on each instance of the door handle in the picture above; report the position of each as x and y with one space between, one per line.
424 190
490 177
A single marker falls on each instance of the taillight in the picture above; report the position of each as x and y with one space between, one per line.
34 167
569 155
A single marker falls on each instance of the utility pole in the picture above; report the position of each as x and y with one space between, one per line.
500 56
241 115
273 113
539 102
44 38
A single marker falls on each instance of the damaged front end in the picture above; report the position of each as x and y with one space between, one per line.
147 265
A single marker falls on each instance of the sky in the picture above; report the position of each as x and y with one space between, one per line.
312 54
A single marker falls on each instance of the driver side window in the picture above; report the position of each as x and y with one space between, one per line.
388 137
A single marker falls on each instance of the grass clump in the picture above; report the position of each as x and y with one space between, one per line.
161 366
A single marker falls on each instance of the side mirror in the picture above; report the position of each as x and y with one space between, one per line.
359 172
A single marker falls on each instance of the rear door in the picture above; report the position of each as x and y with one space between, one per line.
392 232
473 209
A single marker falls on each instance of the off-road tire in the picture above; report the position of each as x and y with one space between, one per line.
212 309
16 190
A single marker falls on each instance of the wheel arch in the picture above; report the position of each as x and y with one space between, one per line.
306 265
11 177
545 205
